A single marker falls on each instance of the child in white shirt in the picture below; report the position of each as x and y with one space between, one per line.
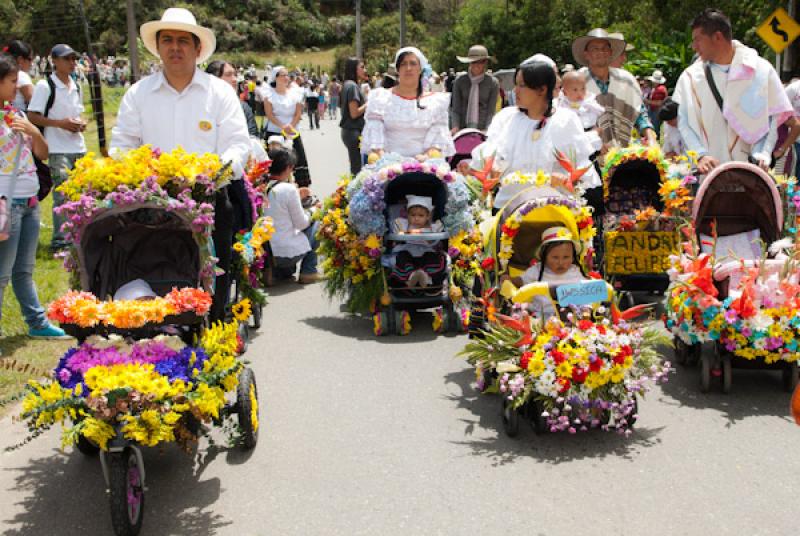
573 97
557 264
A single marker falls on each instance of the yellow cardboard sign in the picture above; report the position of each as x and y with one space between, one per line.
640 252
779 30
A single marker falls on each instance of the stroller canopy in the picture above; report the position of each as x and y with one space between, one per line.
539 208
143 242
739 197
636 173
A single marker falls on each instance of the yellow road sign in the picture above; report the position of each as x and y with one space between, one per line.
779 30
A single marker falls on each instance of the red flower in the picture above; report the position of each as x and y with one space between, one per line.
509 231
579 374
488 263
595 275
557 356
565 384
601 329
586 222
525 359
585 325
597 364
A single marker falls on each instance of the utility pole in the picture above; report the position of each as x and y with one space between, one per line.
402 23
359 47
95 88
133 46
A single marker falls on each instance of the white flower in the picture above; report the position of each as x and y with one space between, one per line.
761 322
781 245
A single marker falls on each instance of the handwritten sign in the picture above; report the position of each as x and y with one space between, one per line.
584 293
779 30
640 252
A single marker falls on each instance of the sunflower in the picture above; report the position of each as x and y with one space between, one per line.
241 311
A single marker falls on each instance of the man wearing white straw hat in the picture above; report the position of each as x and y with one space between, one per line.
658 94
615 89
475 93
185 106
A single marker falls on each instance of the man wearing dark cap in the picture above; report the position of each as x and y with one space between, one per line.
57 106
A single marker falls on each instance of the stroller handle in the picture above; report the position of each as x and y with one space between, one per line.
416 237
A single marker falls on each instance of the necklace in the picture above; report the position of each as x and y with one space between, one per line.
537 133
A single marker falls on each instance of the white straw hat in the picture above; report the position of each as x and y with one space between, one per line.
134 290
178 18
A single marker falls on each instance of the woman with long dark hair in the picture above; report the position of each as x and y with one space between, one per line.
353 105
526 137
405 119
227 71
23 55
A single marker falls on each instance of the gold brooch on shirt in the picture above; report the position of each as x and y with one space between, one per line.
205 126
536 135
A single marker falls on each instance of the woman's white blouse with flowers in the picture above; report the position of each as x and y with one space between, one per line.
395 124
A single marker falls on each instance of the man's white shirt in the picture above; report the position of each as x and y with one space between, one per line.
206 117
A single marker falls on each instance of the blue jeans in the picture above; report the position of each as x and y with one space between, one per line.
17 259
285 266
60 165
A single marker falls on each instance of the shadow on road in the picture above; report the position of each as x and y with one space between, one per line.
64 494
753 393
547 448
360 327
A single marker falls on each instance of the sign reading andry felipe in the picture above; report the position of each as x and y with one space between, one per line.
640 252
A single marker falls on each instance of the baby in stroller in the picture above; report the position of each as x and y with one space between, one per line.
418 263
557 263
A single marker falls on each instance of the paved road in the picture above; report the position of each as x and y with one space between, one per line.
367 436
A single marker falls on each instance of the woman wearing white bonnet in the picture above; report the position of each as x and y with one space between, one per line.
406 119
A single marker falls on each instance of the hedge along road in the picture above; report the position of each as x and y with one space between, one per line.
362 435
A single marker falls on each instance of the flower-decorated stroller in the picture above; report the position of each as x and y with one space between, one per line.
148 368
513 235
356 242
728 289
640 220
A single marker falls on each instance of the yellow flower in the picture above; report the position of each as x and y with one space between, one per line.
564 369
242 310
536 367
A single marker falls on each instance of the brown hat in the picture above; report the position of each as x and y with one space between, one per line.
579 45
476 53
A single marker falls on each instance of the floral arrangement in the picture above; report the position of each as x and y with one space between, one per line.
251 259
618 156
352 226
176 171
351 264
466 252
510 228
584 373
85 310
147 390
759 318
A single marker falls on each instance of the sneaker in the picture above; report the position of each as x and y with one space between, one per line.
48 332
306 279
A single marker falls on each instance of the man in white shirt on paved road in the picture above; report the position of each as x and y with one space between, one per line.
184 106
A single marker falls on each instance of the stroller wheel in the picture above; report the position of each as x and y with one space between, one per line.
705 374
126 492
694 355
539 421
633 416
440 320
243 337
402 322
258 310
247 407
626 300
790 375
681 351
380 323
510 418
727 374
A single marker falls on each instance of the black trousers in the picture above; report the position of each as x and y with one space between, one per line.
223 245
302 175
350 138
